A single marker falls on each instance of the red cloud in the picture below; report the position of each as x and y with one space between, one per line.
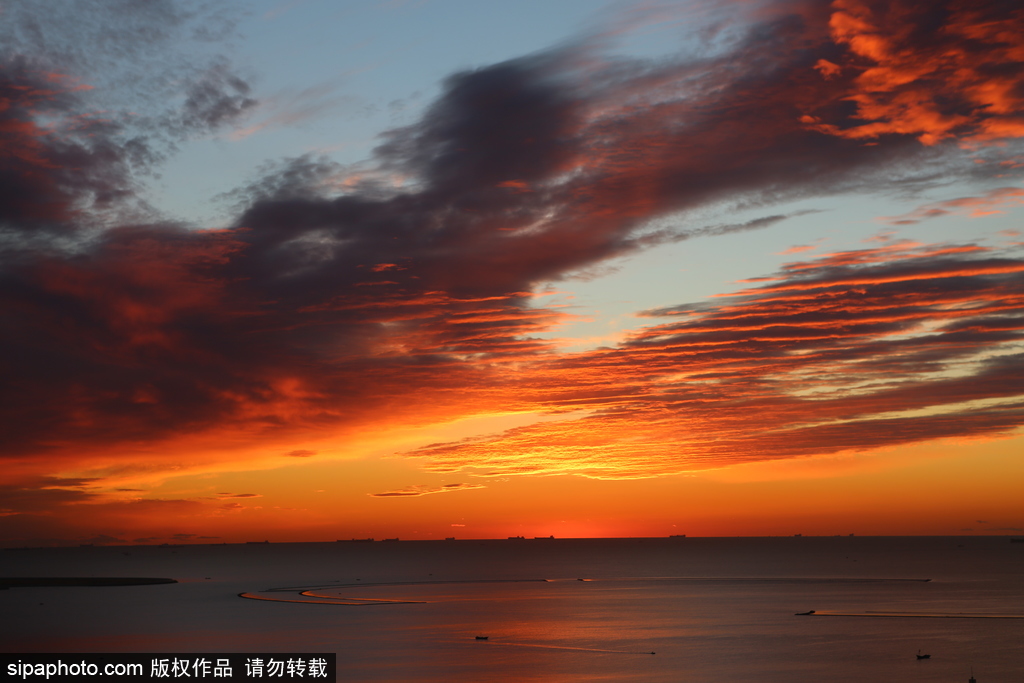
865 350
934 70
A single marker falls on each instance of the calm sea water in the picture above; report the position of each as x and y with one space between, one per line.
712 609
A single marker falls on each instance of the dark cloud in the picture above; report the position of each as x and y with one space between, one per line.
344 297
300 453
48 176
94 95
217 98
38 496
162 60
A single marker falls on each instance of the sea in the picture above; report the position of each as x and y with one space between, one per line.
708 610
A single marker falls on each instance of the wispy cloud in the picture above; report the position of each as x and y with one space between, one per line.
853 351
426 489
290 108
991 203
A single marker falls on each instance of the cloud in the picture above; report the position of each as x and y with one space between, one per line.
284 109
935 70
992 202
727 229
39 494
426 489
344 300
301 453
799 248
239 495
217 97
852 351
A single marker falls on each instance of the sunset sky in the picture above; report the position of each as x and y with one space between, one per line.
306 270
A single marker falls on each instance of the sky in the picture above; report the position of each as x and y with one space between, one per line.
307 270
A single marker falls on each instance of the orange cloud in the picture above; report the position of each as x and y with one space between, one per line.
992 202
851 352
932 71
424 489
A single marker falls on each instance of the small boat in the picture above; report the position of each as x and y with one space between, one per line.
481 637
921 656
804 614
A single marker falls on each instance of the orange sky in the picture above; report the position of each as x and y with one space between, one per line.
358 356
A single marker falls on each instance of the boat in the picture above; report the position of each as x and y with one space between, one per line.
921 656
804 614
449 538
481 637
517 538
